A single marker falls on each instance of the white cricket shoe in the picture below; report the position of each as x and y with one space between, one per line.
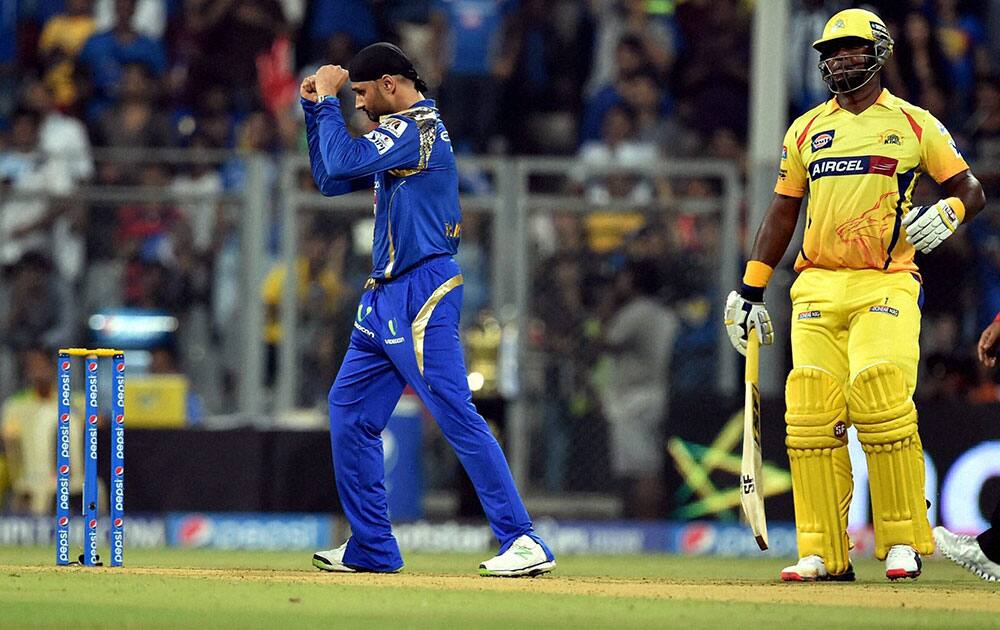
524 557
965 551
332 560
813 569
902 561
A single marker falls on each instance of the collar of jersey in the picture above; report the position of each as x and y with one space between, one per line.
883 100
427 103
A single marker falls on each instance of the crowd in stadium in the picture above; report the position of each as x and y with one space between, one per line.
620 81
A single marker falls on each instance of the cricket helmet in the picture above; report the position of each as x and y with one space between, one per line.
853 26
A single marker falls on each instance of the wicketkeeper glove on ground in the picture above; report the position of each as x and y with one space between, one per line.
928 226
743 313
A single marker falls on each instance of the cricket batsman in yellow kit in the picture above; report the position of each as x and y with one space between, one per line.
856 302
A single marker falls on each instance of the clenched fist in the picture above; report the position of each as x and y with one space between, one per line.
329 80
308 88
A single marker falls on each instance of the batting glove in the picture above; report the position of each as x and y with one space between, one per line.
928 226
742 314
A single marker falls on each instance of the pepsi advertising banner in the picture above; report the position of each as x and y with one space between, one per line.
249 531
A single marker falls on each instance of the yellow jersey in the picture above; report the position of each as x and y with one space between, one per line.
860 172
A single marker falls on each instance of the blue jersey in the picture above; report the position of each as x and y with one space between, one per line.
409 162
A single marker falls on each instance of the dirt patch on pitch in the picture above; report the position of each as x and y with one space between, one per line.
903 595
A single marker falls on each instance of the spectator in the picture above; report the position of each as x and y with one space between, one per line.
542 73
27 218
106 54
351 23
149 17
621 145
806 87
712 76
133 118
653 33
963 41
468 64
637 342
145 240
61 138
630 59
321 292
562 314
921 63
39 311
28 422
643 94
62 39
227 37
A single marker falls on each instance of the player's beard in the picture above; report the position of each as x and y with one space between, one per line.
372 116
849 78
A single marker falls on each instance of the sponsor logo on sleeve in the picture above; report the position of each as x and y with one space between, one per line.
381 141
784 153
823 140
882 308
810 315
395 126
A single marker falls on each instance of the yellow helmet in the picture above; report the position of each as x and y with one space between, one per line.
857 24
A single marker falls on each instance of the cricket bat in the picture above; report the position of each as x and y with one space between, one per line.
751 473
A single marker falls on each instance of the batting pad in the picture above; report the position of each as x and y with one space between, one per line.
883 412
816 439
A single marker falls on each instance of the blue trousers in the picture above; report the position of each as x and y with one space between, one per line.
406 332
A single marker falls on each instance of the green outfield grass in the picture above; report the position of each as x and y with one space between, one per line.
196 589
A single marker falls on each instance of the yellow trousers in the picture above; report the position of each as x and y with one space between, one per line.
855 352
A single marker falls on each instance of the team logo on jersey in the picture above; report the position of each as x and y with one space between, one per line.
784 153
860 165
381 141
395 126
891 136
882 308
823 140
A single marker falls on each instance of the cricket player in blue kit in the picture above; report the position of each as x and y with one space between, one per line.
406 328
